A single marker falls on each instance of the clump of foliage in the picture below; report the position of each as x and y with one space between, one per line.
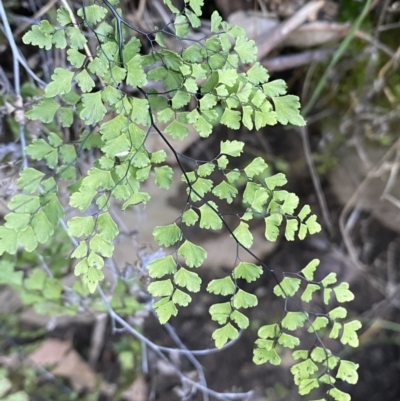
123 93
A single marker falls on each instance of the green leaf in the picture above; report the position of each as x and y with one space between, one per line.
162 288
261 356
233 176
59 39
194 255
220 312
338 395
222 286
225 191
300 354
292 226
136 76
80 251
77 39
287 110
231 118
8 241
335 330
168 3
66 116
303 370
36 280
209 218
261 197
257 74
176 130
36 37
246 49
307 294
268 331
256 167
208 101
304 212
290 203
158 157
287 287
196 6
167 235
312 225
82 200
227 76
222 162
84 81
272 224
165 309
309 270
160 267
306 385
288 341
44 110
42 228
187 279
22 203
190 217
223 334
294 320
240 319
329 279
243 234
180 99
338 313
63 16
277 180
95 260
164 176
61 83
93 109
203 127
120 146
181 26
348 371
243 299
319 323
135 199
92 14
27 239
247 271
106 227
342 292
215 22
101 246
92 277
75 58
199 188
17 221
247 117
29 179
111 95
205 169
327 295
275 88
181 298
82 267
231 148
52 289
53 209
349 335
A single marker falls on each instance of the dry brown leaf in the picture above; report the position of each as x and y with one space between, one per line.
65 361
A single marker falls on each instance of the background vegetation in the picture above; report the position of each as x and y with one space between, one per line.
342 60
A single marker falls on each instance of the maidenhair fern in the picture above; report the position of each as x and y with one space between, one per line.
169 83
